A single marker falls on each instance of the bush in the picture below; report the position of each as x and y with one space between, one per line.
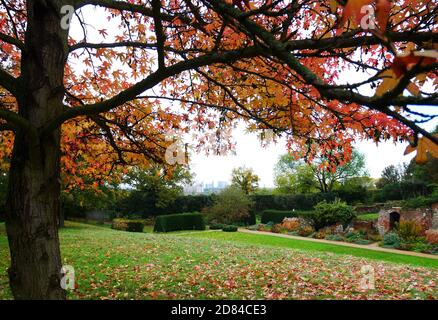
216 226
230 228
392 240
232 206
128 225
401 191
305 231
182 221
334 237
432 236
409 231
420 202
327 214
358 237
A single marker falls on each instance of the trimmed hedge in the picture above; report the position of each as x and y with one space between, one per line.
230 228
216 226
128 225
183 221
277 216
289 202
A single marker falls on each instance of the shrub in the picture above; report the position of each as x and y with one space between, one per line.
334 237
128 225
409 231
358 237
230 228
216 226
421 246
305 231
277 228
432 236
331 213
255 227
232 206
291 224
182 221
320 235
392 240
421 202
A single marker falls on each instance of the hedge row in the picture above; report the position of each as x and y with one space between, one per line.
128 225
289 202
183 221
277 216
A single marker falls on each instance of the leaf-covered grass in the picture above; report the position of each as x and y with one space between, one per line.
368 217
267 240
113 264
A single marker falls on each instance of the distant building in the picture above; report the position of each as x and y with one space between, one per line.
206 188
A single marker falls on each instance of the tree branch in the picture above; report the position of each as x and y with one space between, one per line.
151 81
12 40
9 82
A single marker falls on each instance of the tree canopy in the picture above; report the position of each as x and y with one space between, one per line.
293 176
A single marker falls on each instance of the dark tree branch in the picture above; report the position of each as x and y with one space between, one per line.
159 32
9 82
11 40
151 81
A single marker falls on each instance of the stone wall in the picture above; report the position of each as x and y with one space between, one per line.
426 218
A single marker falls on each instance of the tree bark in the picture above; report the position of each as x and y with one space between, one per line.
33 204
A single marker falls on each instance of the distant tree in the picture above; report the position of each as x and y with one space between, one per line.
294 176
232 205
297 176
245 179
154 187
391 174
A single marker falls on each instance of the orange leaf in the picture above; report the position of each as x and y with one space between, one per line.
352 10
383 8
424 146
402 64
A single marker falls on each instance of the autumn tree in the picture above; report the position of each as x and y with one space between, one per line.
245 179
102 98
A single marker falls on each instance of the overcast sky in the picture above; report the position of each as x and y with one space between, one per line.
249 153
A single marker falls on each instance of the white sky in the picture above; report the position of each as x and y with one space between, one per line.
249 153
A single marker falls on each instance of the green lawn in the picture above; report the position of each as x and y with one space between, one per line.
113 264
266 240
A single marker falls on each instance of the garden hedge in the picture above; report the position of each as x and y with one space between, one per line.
128 225
182 221
230 228
277 216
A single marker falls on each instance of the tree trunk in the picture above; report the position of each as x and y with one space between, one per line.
33 204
